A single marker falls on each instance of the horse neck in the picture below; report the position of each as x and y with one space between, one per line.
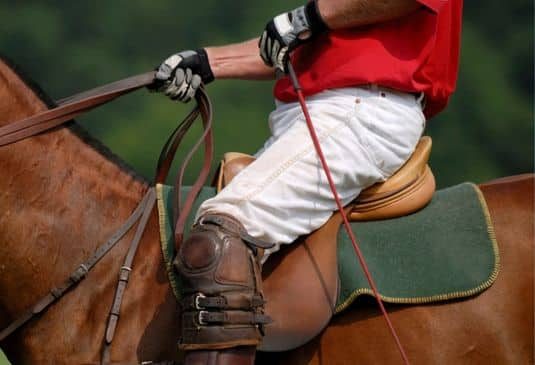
60 199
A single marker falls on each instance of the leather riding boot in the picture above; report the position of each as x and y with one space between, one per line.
222 305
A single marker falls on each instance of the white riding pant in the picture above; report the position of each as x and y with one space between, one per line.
366 134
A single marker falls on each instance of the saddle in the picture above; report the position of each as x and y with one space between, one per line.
306 274
405 192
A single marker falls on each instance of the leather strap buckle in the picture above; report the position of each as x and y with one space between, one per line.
79 274
196 299
200 319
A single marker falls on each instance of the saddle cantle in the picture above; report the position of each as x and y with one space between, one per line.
405 192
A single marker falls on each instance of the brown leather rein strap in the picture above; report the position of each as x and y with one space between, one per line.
81 272
168 153
71 107
183 212
124 276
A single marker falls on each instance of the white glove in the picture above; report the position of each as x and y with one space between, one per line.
181 74
287 31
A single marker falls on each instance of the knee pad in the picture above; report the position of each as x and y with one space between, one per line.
221 281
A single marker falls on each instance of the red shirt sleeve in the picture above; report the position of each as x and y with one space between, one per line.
434 5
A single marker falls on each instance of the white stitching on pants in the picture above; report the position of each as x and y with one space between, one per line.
290 162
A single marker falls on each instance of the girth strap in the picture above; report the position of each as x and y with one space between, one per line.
80 273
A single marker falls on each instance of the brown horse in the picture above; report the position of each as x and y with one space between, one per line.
62 194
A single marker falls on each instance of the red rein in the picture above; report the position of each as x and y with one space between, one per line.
360 256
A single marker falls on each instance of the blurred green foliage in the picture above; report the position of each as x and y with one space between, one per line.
70 46
67 46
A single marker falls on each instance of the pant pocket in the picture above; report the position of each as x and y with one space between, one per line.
389 131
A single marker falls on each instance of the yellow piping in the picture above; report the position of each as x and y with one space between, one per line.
441 297
163 242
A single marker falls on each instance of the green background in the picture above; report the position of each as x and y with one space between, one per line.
69 46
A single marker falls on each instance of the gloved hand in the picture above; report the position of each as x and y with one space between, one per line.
181 74
287 31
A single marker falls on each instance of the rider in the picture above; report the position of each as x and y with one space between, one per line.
370 70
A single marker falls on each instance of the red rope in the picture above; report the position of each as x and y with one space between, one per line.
360 256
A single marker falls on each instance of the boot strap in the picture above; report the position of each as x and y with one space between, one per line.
242 301
206 318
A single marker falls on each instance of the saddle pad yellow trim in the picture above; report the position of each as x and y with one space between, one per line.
163 195
463 218
464 210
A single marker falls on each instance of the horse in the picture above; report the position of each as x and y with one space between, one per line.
62 193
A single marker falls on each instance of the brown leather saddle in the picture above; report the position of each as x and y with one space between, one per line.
301 282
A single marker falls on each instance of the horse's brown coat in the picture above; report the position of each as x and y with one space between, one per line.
495 327
60 198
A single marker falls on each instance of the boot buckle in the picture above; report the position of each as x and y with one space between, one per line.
200 317
199 296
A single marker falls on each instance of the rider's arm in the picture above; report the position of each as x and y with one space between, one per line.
181 74
239 61
289 30
339 14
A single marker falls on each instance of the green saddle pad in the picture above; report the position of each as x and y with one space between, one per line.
444 251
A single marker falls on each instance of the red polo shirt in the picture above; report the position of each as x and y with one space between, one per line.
416 53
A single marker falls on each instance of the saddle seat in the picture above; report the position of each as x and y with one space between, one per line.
405 192
301 282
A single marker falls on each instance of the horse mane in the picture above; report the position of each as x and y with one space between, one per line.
74 127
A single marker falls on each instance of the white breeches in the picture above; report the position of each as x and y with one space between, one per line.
366 134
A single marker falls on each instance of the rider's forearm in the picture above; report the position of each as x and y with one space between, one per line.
339 14
242 60
239 61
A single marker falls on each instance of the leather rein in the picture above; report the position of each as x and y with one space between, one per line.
75 105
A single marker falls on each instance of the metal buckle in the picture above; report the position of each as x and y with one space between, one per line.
196 301
200 320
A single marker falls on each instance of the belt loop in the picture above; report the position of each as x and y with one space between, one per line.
421 100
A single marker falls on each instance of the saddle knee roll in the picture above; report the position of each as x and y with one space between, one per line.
223 304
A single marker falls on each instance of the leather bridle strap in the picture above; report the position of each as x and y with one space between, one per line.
80 273
124 276
70 108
